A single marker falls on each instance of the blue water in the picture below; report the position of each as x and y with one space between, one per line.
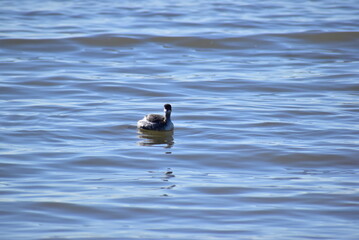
265 107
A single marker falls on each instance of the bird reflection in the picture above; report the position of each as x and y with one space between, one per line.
150 138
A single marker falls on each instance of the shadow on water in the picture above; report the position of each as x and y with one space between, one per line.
150 138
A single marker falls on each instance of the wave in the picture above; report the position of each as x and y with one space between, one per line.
351 39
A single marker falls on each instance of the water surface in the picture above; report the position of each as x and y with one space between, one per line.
265 107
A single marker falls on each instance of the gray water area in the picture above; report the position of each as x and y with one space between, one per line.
265 106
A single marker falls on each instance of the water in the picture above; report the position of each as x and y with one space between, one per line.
265 107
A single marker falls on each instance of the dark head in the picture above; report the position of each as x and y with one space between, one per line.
168 110
168 107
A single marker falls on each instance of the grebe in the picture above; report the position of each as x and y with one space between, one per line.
157 122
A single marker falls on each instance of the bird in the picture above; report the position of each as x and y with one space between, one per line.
157 122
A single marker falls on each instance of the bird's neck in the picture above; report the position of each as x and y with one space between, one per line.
167 116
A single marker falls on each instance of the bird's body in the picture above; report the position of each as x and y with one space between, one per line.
157 122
